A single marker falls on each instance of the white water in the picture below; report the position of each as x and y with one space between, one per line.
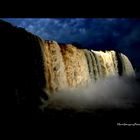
67 66
113 92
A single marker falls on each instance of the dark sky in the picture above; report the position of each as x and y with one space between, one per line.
93 33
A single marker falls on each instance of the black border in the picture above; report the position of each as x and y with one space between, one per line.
69 9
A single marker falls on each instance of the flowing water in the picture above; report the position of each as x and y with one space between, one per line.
67 66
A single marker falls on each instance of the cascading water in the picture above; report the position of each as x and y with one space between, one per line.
67 66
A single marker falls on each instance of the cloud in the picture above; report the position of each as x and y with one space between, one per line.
94 33
111 93
130 45
68 29
63 29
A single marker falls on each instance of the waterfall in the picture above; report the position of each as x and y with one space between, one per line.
127 66
55 73
42 68
67 66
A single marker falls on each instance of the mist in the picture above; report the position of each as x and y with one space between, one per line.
109 93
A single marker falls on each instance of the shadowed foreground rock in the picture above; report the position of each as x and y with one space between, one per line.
23 71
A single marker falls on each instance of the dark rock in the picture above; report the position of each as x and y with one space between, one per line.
23 70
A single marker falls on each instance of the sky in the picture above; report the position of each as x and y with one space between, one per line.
122 34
